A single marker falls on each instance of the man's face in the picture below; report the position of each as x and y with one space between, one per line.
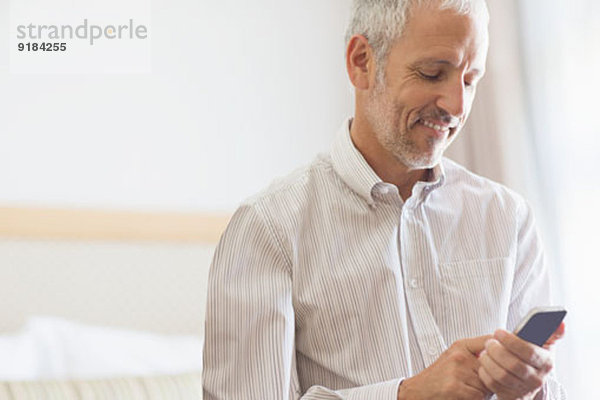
431 73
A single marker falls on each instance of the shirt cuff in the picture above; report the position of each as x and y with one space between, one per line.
552 390
378 391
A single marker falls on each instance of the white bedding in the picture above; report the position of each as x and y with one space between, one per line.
54 348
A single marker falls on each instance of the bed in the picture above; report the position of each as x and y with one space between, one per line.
103 304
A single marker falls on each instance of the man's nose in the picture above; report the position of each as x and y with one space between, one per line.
453 98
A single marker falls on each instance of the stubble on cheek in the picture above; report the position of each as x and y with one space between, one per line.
397 132
392 132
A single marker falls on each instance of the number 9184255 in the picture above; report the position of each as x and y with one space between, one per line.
42 46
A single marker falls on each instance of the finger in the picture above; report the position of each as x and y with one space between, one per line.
468 374
487 380
475 383
501 375
474 393
529 353
558 334
469 361
477 344
494 386
531 377
560 331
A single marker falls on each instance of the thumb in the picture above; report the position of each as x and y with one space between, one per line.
476 345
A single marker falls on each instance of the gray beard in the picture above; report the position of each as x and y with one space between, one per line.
380 114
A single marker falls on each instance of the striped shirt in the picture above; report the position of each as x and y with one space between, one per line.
327 285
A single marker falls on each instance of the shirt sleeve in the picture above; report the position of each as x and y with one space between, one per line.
552 390
249 350
531 286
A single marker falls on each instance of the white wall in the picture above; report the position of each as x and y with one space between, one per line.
562 48
240 92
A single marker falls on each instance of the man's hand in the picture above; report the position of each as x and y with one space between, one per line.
452 376
513 368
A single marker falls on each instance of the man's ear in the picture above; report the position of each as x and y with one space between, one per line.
360 62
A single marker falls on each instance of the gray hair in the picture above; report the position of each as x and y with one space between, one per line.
381 22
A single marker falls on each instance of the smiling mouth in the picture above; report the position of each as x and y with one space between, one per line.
441 130
436 127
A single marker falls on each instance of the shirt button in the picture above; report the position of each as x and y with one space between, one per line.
432 351
414 283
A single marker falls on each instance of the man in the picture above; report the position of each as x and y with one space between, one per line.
382 270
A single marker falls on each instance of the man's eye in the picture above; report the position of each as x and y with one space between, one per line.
430 77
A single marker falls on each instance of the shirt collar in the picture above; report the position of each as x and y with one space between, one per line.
351 166
354 170
422 189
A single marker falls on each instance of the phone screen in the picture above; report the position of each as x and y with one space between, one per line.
540 325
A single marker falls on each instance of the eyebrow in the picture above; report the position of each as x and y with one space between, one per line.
433 61
441 61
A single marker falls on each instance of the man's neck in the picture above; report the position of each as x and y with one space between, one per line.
385 165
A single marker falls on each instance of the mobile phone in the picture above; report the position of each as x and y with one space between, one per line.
540 323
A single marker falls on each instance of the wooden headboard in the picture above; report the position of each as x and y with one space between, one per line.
85 224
